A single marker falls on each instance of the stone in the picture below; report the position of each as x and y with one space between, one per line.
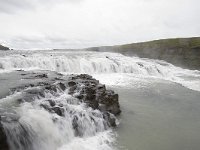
82 88
3 139
58 110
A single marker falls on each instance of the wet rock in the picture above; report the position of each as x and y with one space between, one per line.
10 118
82 88
140 64
3 139
75 126
35 91
81 76
1 66
110 119
51 102
41 76
4 48
94 94
23 74
20 70
72 90
45 106
23 134
62 86
71 83
56 78
20 101
51 88
58 110
102 107
79 96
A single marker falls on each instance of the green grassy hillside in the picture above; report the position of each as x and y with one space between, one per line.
183 52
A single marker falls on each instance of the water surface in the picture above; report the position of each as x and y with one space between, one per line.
160 102
161 116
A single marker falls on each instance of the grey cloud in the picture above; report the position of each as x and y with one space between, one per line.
48 42
85 23
13 6
10 6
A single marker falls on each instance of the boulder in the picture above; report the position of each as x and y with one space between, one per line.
3 139
90 91
83 88
4 48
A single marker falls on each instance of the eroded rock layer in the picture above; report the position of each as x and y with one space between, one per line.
44 90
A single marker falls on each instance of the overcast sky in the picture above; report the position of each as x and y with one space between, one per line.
35 24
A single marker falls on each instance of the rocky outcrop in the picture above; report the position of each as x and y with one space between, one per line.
3 48
183 52
83 88
3 140
93 93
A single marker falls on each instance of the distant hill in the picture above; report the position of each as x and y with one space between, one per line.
183 52
4 48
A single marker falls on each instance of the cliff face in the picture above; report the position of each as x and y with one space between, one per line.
183 52
4 48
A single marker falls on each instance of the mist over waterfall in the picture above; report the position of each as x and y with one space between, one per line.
29 133
99 63
99 75
50 106
54 115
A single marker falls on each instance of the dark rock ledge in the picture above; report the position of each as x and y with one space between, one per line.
3 48
82 87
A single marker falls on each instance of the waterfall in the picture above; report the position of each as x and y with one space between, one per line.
96 63
29 126
84 63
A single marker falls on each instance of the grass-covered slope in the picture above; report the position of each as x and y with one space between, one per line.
184 52
4 48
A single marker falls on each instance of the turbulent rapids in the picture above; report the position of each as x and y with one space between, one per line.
44 107
54 112
96 64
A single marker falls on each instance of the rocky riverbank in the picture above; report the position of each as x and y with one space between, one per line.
35 85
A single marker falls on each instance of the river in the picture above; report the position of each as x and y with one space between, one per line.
159 101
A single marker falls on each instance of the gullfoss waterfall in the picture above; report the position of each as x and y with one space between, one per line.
101 65
57 120
50 115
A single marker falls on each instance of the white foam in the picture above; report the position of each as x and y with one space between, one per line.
101 141
101 63
49 131
110 68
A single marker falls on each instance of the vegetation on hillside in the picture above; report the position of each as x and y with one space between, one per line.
166 43
184 52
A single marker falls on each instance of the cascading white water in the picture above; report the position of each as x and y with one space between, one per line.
59 134
38 129
86 63
100 63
